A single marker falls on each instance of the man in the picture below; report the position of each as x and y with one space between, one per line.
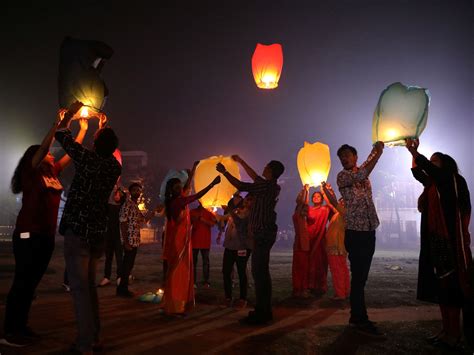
201 223
131 219
263 230
113 244
361 221
84 223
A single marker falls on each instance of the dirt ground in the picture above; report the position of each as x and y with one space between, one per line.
310 326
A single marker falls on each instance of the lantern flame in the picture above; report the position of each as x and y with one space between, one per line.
84 113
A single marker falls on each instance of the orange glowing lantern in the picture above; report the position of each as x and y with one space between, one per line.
221 193
267 63
118 155
314 163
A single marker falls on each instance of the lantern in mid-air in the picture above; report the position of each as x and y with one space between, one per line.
80 63
267 63
401 112
206 171
314 163
118 156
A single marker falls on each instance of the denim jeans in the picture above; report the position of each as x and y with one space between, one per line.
81 265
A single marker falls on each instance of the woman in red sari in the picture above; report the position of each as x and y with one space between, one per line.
318 216
178 295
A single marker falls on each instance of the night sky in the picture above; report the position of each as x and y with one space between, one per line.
181 86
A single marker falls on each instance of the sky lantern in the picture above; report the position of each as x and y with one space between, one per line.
80 64
401 112
267 63
118 155
206 171
314 163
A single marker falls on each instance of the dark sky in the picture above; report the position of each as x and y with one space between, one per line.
181 86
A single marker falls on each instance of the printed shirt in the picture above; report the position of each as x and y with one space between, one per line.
201 231
85 211
131 214
262 215
356 191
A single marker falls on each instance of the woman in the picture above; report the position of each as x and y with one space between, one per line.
445 264
336 252
300 267
237 251
36 176
179 291
318 216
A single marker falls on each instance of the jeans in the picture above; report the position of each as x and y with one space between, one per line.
205 263
361 247
127 266
231 257
32 257
113 244
81 265
263 242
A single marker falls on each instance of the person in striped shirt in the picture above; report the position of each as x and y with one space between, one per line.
262 229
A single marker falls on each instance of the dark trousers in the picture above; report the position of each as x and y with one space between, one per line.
231 257
32 257
361 247
205 263
261 273
81 265
127 266
113 243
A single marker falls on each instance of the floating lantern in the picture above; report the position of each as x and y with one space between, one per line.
314 163
401 112
267 63
206 171
80 63
118 155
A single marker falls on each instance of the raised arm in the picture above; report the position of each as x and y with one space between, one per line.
373 157
191 172
422 162
66 159
329 196
188 199
250 172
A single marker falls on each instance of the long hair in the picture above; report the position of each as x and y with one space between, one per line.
169 195
16 183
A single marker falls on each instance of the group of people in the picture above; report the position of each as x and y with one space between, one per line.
325 235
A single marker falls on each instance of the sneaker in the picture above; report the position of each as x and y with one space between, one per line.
105 281
16 340
66 287
125 293
240 304
254 319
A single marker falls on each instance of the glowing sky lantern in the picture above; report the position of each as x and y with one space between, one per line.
267 63
401 112
80 64
314 163
118 155
221 193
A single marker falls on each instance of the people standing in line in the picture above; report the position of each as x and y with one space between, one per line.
335 249
318 216
202 222
84 223
238 248
36 176
262 229
178 297
361 221
113 242
445 264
